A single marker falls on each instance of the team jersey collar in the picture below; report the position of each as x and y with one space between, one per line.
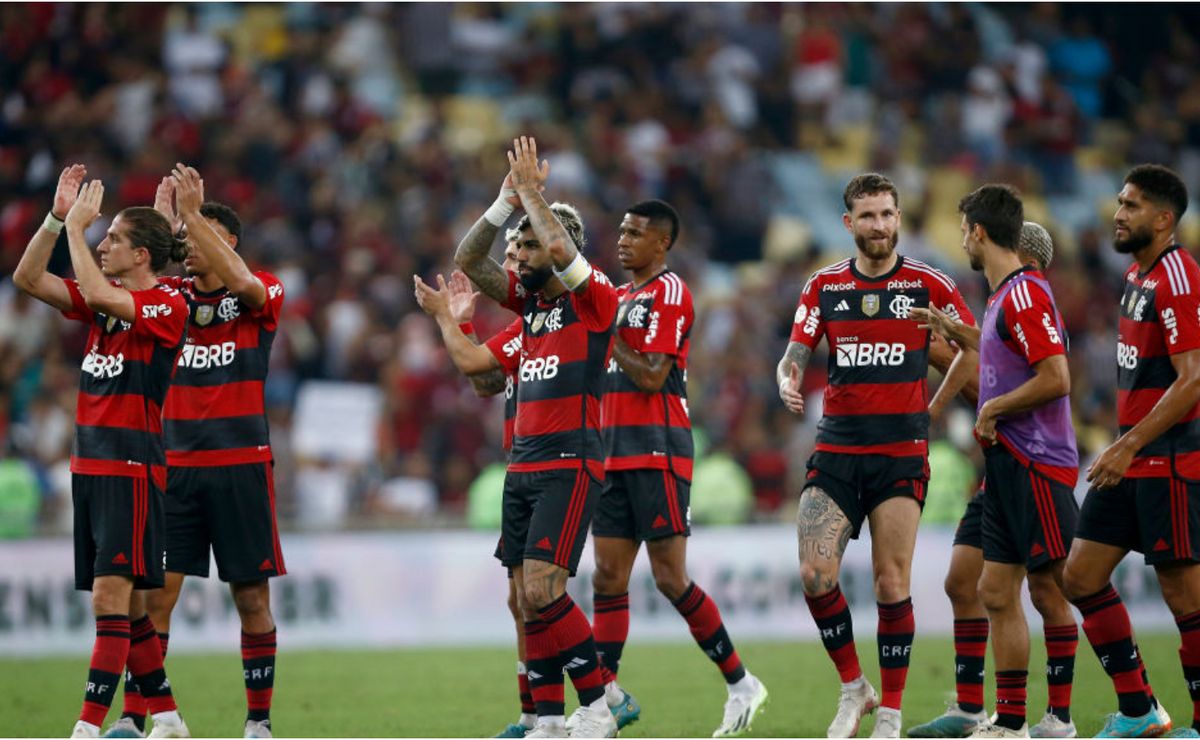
219 292
656 276
1011 275
885 276
1158 259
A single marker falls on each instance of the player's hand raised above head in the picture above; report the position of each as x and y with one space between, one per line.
86 208
189 189
67 192
525 170
164 202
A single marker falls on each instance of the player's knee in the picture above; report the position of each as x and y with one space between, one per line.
514 604
253 601
608 578
995 594
817 579
1047 598
540 592
671 584
1177 592
891 586
1078 584
961 591
108 601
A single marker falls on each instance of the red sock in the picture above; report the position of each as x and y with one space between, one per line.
895 637
970 654
146 665
1061 644
109 653
832 615
1010 698
258 672
527 705
1189 657
544 669
1106 624
572 634
610 624
707 628
135 704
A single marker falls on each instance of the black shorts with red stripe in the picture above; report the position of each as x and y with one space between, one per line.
118 529
1158 517
859 483
970 527
1028 518
230 510
546 515
643 505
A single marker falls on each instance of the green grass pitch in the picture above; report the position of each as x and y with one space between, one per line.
472 692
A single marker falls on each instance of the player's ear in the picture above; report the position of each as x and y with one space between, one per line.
847 222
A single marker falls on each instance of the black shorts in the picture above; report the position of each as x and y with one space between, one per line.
546 516
643 505
1028 518
118 529
1158 517
970 527
859 483
230 509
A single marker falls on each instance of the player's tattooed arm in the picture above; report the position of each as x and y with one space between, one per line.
489 383
472 258
789 373
823 531
647 370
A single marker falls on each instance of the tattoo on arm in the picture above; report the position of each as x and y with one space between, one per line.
796 352
824 531
489 383
473 259
548 229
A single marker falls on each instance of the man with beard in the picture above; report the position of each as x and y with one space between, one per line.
871 457
557 463
1144 494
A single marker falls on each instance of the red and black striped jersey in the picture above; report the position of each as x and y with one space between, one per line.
1160 317
215 413
877 397
651 430
505 345
565 343
125 377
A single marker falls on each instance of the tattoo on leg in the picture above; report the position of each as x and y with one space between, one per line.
823 531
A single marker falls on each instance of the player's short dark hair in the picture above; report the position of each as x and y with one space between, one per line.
1161 186
223 215
569 217
998 209
661 216
869 183
150 230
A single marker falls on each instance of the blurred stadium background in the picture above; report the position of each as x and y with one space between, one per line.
359 142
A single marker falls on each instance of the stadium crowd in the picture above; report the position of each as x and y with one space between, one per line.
358 142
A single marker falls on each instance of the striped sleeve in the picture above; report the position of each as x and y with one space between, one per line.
1178 302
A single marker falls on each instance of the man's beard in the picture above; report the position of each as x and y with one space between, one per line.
535 279
1136 241
871 251
976 261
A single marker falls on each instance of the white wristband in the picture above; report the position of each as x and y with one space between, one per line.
576 273
51 223
498 212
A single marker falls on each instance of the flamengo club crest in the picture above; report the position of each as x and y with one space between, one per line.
204 314
870 304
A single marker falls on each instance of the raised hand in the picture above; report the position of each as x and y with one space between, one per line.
68 190
164 202
789 391
189 189
461 298
434 301
524 168
86 208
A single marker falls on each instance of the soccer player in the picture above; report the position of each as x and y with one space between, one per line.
557 463
1024 423
871 456
648 461
1035 249
1144 496
220 487
137 328
460 303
